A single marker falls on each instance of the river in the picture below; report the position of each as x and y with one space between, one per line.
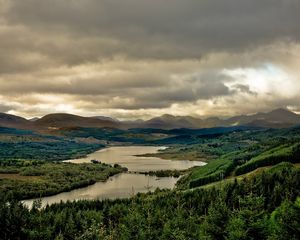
125 184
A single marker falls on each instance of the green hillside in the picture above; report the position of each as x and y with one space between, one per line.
265 206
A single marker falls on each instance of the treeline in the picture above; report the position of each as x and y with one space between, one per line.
166 173
263 207
50 151
274 156
241 162
28 145
214 177
37 179
215 170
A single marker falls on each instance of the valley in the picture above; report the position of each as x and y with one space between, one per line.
114 178
277 118
133 179
149 120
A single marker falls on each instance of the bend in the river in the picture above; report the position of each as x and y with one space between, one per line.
125 184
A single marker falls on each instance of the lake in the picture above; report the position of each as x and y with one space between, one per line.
126 156
123 185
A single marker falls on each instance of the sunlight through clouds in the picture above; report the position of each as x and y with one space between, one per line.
115 58
268 79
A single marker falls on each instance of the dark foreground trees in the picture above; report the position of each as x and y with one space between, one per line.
263 207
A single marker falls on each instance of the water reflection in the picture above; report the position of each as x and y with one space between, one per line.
119 186
125 156
125 184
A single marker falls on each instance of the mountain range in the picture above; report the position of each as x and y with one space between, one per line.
278 118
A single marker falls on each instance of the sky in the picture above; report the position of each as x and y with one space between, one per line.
133 59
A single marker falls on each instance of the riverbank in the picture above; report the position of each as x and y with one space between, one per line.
260 198
119 186
132 158
176 153
168 173
32 179
144 174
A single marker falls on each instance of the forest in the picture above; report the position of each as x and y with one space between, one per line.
18 144
149 120
249 188
32 179
266 206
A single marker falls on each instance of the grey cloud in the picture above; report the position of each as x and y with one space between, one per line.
156 29
141 54
142 89
211 84
39 34
244 89
5 107
179 90
194 87
111 83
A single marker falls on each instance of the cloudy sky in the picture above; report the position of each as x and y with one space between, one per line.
140 58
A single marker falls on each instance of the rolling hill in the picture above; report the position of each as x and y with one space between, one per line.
278 118
62 120
12 121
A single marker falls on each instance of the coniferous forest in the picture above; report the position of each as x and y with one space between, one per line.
249 188
266 206
149 120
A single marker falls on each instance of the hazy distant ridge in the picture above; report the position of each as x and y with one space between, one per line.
277 118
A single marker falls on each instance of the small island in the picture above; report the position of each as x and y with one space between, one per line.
95 161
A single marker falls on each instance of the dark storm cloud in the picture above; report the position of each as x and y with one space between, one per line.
135 55
183 89
144 89
156 29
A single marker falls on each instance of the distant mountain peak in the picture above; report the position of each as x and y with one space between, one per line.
12 121
106 118
282 111
277 118
33 119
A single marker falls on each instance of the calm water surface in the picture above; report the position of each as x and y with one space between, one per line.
125 156
123 185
